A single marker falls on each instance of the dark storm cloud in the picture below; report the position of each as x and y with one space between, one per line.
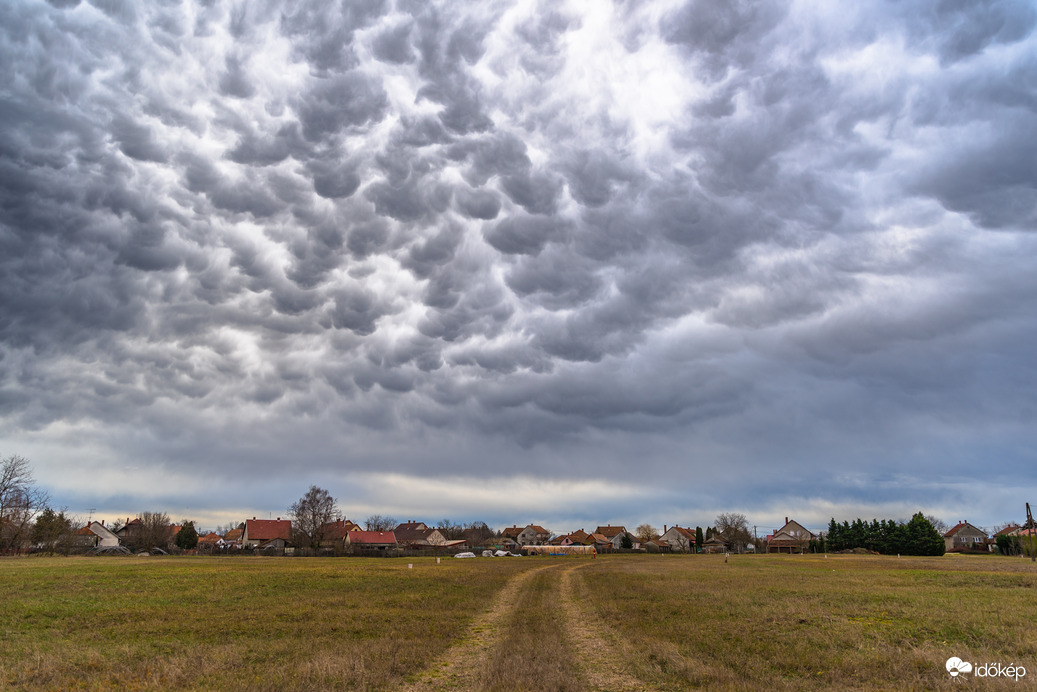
526 235
339 103
235 81
394 45
732 233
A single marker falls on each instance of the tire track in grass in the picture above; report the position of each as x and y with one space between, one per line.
597 647
464 664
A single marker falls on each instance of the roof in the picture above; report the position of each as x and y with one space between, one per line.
211 537
611 531
372 537
793 531
411 526
599 538
961 526
538 528
404 534
1008 530
336 530
268 529
234 535
685 532
512 532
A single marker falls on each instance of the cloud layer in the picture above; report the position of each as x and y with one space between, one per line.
713 247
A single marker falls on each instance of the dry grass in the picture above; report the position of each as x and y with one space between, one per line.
668 622
798 622
226 623
533 655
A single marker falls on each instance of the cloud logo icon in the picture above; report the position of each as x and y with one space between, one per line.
955 665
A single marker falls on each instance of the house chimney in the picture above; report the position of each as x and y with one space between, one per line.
102 522
665 528
786 520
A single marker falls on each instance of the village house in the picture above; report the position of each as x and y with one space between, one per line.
528 535
416 534
231 539
95 535
790 538
577 537
362 541
679 538
615 535
209 541
964 536
267 533
715 544
657 545
333 534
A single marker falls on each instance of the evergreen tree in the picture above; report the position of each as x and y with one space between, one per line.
834 543
921 538
699 540
51 530
187 538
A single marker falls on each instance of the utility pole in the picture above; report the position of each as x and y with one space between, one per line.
1030 526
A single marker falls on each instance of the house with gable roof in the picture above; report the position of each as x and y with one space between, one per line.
615 535
371 541
334 534
95 535
577 537
417 534
267 533
532 534
964 536
681 539
791 538
232 539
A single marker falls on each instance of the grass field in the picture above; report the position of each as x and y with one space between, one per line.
624 622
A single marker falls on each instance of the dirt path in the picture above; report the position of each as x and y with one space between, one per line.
594 644
462 666
597 652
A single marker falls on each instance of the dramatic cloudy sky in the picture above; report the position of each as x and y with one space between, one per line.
519 261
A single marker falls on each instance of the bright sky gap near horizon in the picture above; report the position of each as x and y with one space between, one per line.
557 262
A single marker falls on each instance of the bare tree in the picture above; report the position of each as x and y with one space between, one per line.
311 514
734 529
477 533
450 530
148 531
939 524
20 503
646 532
376 522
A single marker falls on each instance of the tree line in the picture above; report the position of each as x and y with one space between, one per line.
916 537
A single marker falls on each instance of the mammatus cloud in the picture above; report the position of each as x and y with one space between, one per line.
716 244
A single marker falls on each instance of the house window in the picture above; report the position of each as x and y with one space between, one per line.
975 539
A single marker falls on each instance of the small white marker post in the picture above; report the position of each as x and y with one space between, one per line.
437 560
410 565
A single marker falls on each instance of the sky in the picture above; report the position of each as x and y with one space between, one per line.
570 263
